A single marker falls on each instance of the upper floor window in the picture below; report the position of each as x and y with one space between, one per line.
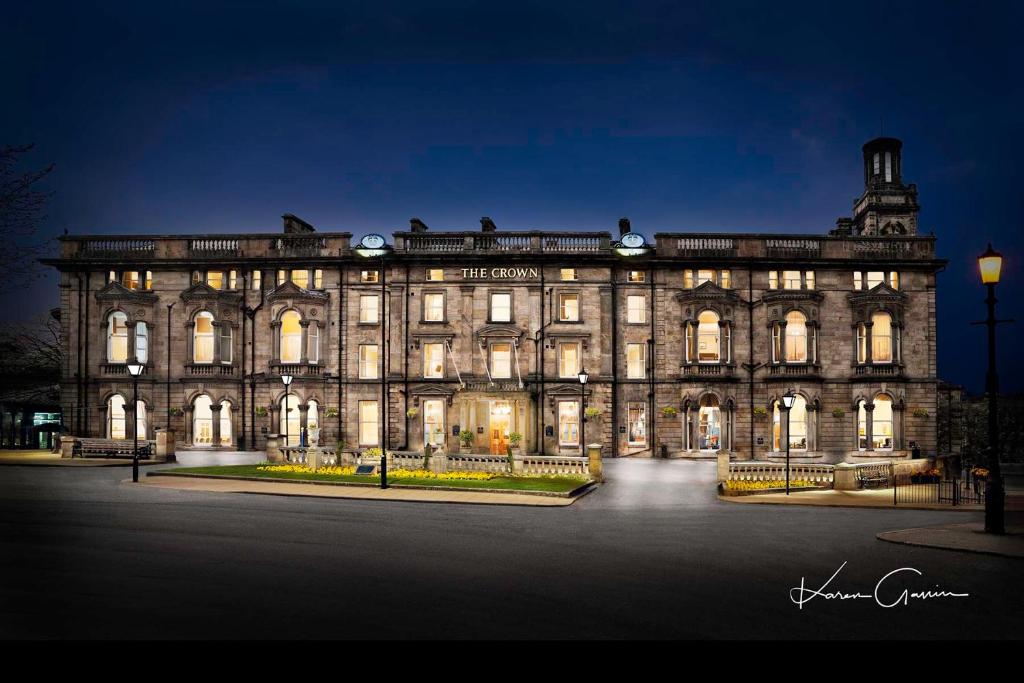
130 279
369 358
501 360
369 308
291 337
636 361
215 279
435 274
117 338
796 337
881 338
300 278
202 343
791 279
568 274
636 308
873 278
133 279
569 307
282 275
568 359
433 307
433 360
257 279
318 278
232 279
501 307
637 276
369 276
313 343
709 340
141 342
695 278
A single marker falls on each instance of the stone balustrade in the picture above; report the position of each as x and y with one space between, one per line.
772 471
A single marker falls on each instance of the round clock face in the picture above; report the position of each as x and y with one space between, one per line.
373 241
632 240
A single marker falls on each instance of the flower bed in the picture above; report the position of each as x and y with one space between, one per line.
735 487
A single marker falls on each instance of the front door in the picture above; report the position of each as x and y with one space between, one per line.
499 426
710 429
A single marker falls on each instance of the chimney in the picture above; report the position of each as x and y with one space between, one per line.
487 225
416 225
624 226
294 224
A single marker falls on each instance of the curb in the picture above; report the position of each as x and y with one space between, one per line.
881 536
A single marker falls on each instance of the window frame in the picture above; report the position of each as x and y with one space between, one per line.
426 359
490 306
641 360
561 307
363 364
428 296
376 309
490 359
642 309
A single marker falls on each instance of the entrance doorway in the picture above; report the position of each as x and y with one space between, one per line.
499 425
709 426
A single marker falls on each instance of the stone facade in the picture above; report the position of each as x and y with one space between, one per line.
689 340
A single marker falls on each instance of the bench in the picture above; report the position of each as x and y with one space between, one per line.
110 448
872 478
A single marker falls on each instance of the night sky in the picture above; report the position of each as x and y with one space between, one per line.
199 117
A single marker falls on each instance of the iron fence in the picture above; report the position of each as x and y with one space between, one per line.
910 488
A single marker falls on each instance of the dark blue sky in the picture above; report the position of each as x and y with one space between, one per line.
207 117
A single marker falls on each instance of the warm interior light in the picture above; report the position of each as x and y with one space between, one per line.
990 263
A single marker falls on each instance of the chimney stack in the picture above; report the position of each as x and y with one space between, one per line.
294 224
487 225
624 226
416 225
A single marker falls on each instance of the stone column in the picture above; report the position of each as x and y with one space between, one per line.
782 343
869 412
303 417
189 425
304 342
275 340
130 352
215 411
104 434
104 346
216 341
867 349
190 340
275 418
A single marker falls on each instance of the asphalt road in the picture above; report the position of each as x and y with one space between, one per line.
652 554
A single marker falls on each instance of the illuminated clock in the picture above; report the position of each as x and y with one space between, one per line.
372 242
632 240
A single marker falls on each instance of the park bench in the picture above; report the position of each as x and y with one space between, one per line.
110 448
872 478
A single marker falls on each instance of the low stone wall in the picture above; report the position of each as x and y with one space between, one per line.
469 462
773 471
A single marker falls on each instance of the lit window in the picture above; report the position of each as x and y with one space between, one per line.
282 275
888 167
313 343
433 422
568 274
149 279
369 308
636 427
112 276
435 274
858 280
501 307
877 164
875 278
796 337
894 280
636 308
197 277
636 366
300 278
569 307
318 278
141 342
501 360
705 276
130 279
809 279
881 424
116 421
791 279
709 347
215 279
232 279
797 425
862 343
369 276
433 360
202 343
117 338
725 279
637 276
568 359
688 279
773 279
862 426
291 337
202 421
369 424
225 344
369 357
257 279
433 307
225 423
568 423
881 338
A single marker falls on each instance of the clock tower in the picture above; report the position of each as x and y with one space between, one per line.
887 206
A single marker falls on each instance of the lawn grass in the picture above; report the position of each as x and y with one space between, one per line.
545 484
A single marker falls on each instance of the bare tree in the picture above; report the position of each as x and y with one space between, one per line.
30 360
22 203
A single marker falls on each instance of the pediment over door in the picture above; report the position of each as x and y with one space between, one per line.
115 292
290 291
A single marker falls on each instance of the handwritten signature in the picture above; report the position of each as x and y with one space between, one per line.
801 595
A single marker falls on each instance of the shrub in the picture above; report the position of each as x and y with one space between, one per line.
760 411
592 413
515 438
466 437
331 412
920 412
412 412
838 413
669 412
175 412
261 411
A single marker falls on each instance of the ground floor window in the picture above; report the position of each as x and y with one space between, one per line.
433 422
202 421
116 420
568 423
636 428
881 424
290 422
225 423
709 424
369 424
797 425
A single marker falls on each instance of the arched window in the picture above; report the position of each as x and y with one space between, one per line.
141 342
140 420
709 424
709 348
796 337
202 421
291 337
862 426
881 424
116 417
881 338
798 425
117 338
202 339
290 419
225 423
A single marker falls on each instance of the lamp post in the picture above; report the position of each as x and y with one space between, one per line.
287 381
135 369
583 413
990 264
787 400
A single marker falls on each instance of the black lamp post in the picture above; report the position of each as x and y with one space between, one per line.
287 380
990 264
135 369
787 401
583 413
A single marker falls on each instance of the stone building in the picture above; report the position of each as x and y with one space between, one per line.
689 340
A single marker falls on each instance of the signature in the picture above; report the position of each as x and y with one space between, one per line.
801 595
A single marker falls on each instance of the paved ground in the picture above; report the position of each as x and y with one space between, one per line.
653 553
970 537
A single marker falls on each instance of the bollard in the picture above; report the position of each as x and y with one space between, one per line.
383 471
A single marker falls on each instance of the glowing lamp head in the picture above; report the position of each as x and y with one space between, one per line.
990 264
583 376
788 399
286 379
135 369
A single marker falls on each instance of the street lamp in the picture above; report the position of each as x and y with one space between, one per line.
583 413
135 369
372 246
287 381
990 264
787 401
